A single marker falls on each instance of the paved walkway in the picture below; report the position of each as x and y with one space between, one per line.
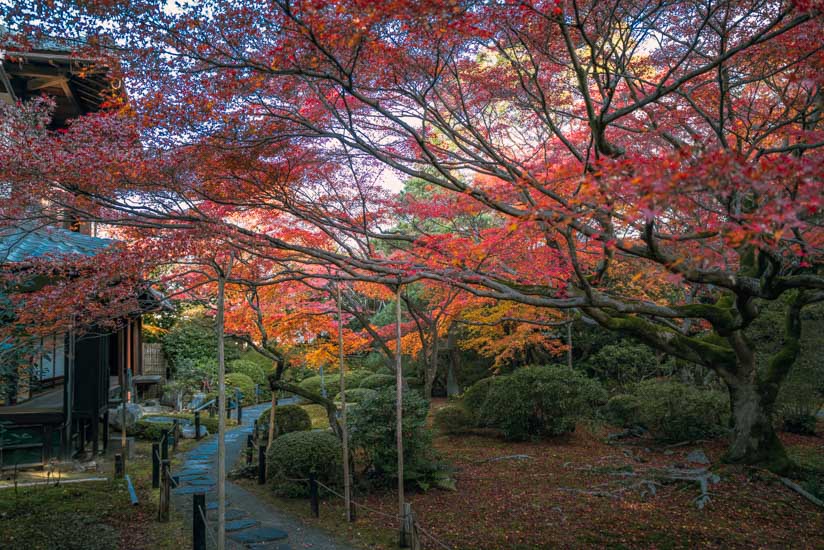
250 522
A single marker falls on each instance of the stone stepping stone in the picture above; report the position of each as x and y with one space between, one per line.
258 535
231 514
270 546
191 477
239 524
201 482
189 490
212 505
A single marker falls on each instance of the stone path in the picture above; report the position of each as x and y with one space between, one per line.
250 522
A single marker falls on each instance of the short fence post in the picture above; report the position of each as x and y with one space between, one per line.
212 410
261 465
175 433
155 465
313 495
250 448
255 430
164 444
197 425
199 521
118 466
228 409
165 490
407 526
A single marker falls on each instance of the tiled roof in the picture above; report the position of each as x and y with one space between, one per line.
18 244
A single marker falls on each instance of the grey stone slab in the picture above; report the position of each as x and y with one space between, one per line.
258 535
231 514
204 482
190 490
239 524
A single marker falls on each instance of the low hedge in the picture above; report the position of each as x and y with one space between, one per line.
673 411
295 455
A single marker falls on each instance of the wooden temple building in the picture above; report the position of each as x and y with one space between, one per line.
59 405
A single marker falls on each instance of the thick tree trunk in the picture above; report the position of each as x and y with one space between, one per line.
754 441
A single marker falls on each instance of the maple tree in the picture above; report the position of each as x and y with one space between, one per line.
675 139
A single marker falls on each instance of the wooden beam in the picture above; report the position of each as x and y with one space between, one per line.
47 82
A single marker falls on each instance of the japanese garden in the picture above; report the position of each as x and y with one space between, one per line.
435 274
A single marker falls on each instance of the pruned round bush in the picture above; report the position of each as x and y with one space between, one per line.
453 419
288 418
253 370
295 455
540 401
622 410
355 377
475 396
378 381
625 362
356 395
673 411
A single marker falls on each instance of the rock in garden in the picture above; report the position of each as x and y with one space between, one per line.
187 431
698 457
133 414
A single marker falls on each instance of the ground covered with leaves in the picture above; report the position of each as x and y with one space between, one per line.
581 491
95 515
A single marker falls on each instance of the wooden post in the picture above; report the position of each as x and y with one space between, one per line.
261 465
175 433
165 490
155 465
409 533
399 414
222 414
198 521
197 425
118 466
272 420
347 497
164 444
250 448
212 410
314 502
239 403
106 431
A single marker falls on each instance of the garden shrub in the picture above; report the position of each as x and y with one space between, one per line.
193 339
540 401
453 419
622 363
253 370
475 396
288 418
236 380
378 381
673 411
313 384
372 429
622 410
295 455
356 395
355 377
798 422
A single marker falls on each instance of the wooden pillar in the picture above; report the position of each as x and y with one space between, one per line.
106 430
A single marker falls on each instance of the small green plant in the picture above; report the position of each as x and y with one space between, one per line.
453 419
293 456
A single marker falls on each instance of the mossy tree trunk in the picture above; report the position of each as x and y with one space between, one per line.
753 390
